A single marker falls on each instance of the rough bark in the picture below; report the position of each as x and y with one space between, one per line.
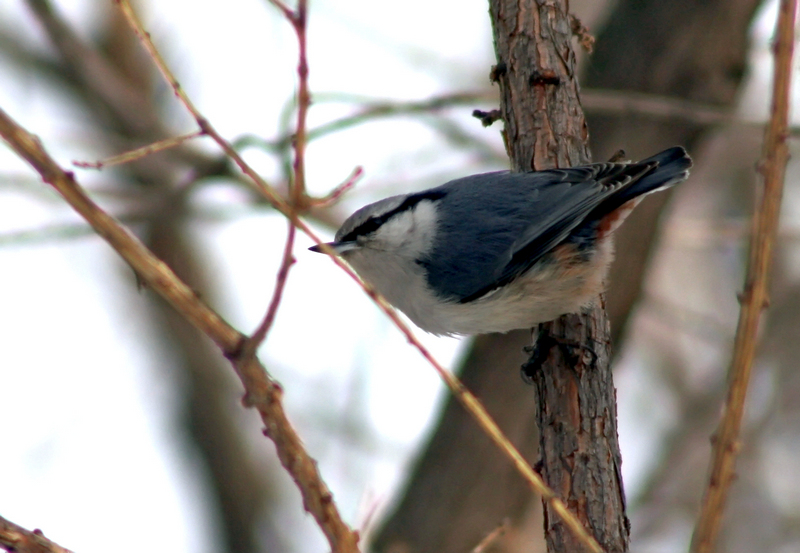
652 40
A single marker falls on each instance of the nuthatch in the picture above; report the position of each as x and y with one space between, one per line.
500 251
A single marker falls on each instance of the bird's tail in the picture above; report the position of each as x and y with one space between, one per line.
668 169
673 167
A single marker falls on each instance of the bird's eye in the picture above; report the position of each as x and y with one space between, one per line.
370 225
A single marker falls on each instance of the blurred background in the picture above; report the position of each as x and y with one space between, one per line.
119 418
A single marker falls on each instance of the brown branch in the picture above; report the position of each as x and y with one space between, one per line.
299 22
16 539
299 199
755 297
374 109
490 539
138 153
287 12
250 347
623 102
333 196
261 391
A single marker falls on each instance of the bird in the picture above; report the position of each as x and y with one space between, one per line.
500 251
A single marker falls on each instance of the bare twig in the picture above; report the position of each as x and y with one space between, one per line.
16 539
756 295
620 102
299 21
299 198
250 347
287 12
144 37
340 190
138 153
103 82
373 110
492 537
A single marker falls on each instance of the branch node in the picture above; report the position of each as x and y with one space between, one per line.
582 33
487 117
235 354
544 77
498 71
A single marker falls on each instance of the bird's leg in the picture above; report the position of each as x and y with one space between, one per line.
539 351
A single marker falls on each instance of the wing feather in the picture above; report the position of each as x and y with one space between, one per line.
500 224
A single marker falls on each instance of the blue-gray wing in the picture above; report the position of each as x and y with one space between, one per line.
494 227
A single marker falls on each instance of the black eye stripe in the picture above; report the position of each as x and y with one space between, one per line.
374 223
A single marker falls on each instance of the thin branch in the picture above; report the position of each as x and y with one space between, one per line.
615 102
756 295
374 110
300 22
103 82
250 347
287 12
16 539
621 102
138 153
299 199
340 190
492 537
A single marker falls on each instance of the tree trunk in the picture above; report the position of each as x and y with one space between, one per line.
576 415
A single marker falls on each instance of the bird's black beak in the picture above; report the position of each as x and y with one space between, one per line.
338 247
318 247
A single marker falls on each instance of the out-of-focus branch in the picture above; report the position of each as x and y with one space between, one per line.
756 295
492 537
138 153
16 539
101 80
370 111
627 102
